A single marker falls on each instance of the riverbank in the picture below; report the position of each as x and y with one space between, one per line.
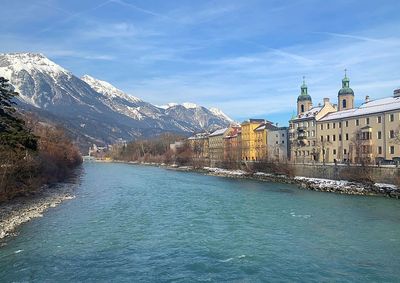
22 209
314 184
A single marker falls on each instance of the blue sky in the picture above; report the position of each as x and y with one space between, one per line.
244 57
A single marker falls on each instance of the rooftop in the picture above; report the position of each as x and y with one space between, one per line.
218 132
371 107
309 114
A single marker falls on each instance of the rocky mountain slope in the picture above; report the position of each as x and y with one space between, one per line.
94 110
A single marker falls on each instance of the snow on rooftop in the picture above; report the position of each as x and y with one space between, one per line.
371 107
309 114
218 132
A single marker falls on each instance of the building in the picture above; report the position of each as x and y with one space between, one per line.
266 141
199 145
304 146
176 145
232 145
347 134
248 136
216 145
277 144
367 134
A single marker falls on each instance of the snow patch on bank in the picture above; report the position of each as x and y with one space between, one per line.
220 171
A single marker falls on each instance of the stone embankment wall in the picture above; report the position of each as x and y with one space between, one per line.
378 174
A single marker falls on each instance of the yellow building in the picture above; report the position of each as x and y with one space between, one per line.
248 136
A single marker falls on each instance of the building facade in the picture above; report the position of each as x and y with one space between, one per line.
345 133
277 144
232 145
199 145
248 136
216 145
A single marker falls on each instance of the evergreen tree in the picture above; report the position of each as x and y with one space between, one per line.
13 132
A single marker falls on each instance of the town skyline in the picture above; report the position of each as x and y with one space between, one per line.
244 58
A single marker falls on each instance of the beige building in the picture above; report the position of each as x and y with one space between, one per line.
366 134
199 145
216 145
304 145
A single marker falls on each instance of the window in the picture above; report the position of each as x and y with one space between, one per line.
392 149
327 125
302 108
379 119
340 124
322 138
313 133
340 137
334 125
347 137
391 134
345 151
322 126
379 150
367 121
334 152
328 138
334 137
379 135
283 142
347 124
344 103
391 118
283 135
357 122
313 143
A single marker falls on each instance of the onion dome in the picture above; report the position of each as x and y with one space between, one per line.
304 96
345 90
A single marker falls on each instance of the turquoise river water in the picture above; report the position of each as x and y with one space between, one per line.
144 224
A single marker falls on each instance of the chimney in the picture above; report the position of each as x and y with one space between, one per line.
367 99
326 100
396 92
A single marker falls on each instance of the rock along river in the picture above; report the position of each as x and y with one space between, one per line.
144 224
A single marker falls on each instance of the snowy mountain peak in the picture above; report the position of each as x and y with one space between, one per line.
219 113
168 105
107 89
189 105
30 62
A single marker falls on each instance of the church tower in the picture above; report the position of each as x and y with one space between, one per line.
345 95
304 102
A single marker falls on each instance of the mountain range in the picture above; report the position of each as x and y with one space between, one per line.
94 111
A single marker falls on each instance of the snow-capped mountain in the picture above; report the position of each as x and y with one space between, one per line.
95 110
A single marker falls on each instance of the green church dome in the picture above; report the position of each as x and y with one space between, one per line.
345 90
304 96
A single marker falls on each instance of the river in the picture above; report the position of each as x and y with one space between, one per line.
132 223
